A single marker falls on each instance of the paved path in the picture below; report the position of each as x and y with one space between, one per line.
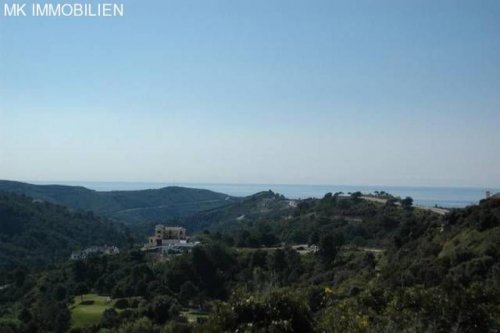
371 249
171 205
440 211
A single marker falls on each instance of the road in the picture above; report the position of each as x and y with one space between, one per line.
440 211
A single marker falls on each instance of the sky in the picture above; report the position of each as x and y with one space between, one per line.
403 93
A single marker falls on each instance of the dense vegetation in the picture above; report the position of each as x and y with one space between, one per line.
125 206
261 206
378 268
34 233
268 219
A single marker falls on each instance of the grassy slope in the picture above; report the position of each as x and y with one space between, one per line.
83 314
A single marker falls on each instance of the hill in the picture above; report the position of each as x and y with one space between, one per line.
125 206
233 217
361 222
377 267
265 205
34 233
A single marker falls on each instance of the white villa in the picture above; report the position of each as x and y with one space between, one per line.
167 240
495 196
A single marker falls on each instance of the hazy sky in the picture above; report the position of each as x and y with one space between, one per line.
262 91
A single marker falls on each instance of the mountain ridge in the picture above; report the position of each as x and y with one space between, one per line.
127 206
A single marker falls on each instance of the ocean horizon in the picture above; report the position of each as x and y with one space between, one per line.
428 196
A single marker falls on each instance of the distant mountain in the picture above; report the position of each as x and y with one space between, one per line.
35 233
126 206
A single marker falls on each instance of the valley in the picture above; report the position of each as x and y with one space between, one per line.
342 263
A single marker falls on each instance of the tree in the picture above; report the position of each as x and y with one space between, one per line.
391 202
278 261
243 238
161 309
329 245
25 315
277 312
142 325
109 318
356 196
81 289
407 203
59 293
369 260
130 241
314 238
79 270
188 291
206 271
327 248
258 259
20 276
63 319
122 303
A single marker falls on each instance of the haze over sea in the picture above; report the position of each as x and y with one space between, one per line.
423 196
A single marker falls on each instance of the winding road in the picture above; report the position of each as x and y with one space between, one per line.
440 211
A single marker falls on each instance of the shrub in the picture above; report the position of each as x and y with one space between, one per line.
122 303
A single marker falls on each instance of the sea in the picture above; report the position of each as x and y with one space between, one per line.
448 197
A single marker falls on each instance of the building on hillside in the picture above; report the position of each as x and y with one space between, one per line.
94 251
168 235
169 240
495 196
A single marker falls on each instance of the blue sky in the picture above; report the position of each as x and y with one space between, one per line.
298 92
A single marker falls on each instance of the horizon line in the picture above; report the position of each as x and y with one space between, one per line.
176 183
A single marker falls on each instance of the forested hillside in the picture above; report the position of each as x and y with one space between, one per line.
378 268
360 222
235 216
34 233
125 206
260 206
